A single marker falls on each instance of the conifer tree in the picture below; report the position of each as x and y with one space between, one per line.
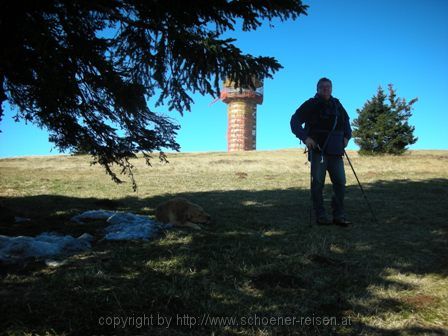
382 126
85 70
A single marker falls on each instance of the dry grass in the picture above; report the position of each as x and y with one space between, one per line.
259 257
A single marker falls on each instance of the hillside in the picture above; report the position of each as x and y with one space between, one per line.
259 257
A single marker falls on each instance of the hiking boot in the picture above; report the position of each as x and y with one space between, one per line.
341 222
323 220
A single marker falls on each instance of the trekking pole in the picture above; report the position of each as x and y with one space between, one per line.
310 153
310 158
362 190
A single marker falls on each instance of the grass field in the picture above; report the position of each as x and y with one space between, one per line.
259 258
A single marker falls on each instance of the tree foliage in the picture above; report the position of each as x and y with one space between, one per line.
86 70
382 125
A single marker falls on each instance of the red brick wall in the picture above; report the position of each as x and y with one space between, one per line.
241 130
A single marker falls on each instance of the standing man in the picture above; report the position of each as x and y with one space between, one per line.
326 134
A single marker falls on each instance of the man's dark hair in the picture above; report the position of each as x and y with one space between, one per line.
323 79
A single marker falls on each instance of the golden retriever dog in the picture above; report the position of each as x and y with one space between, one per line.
181 212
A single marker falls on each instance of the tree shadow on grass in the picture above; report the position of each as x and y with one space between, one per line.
259 258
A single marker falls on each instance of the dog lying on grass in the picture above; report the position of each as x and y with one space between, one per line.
181 212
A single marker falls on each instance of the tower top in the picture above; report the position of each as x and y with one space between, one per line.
230 92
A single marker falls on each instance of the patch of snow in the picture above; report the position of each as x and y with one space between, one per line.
43 245
86 237
122 226
92 214
127 226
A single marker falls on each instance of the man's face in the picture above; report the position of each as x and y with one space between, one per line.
324 90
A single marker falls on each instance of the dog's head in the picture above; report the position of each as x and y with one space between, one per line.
197 215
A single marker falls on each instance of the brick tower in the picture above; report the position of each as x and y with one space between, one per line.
242 115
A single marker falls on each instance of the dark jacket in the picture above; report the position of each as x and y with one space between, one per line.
319 117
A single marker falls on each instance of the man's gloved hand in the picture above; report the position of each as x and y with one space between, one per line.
345 142
310 143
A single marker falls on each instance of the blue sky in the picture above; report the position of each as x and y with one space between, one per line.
359 45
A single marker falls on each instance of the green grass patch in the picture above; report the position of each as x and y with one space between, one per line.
259 257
